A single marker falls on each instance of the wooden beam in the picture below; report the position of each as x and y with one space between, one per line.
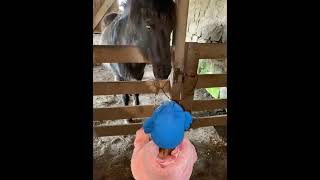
125 112
211 80
204 105
192 59
209 121
102 11
114 9
116 130
190 75
130 129
141 111
117 54
179 56
130 87
211 51
182 7
96 6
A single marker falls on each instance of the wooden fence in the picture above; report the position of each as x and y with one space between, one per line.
180 86
192 81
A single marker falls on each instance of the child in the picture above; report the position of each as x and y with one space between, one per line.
169 155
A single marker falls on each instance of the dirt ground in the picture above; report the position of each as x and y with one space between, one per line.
112 154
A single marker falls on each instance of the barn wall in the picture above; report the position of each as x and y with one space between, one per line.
207 23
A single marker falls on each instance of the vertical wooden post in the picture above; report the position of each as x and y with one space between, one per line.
190 75
179 55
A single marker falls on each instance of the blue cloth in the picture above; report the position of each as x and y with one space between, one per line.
167 125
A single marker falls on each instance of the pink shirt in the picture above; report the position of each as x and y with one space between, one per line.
146 165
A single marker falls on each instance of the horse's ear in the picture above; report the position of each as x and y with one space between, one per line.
107 19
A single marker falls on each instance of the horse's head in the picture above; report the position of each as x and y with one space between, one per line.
152 22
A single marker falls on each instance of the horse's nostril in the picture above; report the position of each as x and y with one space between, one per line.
162 71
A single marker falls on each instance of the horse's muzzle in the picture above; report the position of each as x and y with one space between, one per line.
161 71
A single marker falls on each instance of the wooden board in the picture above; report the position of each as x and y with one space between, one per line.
182 7
116 130
117 54
125 112
130 87
190 75
141 111
211 80
192 59
210 121
204 105
176 77
113 9
96 6
211 51
130 129
102 11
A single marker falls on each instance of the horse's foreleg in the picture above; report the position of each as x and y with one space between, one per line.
126 103
125 98
136 99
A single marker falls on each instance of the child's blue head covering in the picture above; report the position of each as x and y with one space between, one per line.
167 125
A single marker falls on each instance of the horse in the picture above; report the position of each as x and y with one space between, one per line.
148 25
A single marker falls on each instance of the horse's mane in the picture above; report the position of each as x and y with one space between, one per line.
134 7
162 6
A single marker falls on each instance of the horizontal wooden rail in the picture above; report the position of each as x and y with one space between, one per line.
130 129
141 111
204 105
210 121
211 80
130 87
117 130
117 54
210 51
125 112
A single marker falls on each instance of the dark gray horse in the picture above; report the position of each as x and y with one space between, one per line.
146 24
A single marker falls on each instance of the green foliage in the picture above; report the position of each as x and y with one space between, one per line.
207 67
